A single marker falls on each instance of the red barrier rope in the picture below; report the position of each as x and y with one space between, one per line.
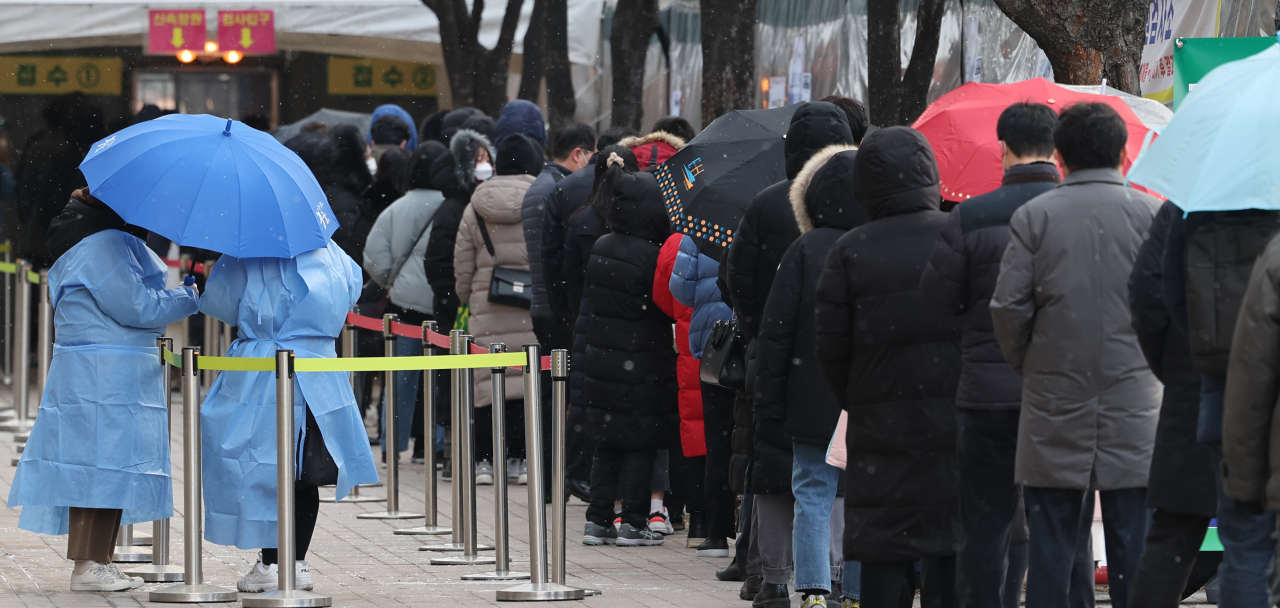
414 331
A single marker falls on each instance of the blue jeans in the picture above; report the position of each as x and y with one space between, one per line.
1245 531
818 532
407 384
1060 564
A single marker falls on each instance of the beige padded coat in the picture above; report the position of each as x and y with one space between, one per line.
498 201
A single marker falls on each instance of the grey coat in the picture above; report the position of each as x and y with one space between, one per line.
400 237
1061 313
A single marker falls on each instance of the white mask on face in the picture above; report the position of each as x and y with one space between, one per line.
373 166
483 171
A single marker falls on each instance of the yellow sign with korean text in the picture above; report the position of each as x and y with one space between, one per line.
57 75
352 76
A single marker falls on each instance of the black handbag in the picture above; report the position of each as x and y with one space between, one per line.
508 286
724 357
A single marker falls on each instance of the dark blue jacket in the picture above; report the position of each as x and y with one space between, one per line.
693 283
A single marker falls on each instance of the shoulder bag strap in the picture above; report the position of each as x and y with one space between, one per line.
395 272
484 233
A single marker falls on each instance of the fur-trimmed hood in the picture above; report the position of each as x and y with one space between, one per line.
659 144
822 193
454 174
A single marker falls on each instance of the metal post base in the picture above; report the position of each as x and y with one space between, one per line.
286 599
127 555
21 438
425 531
193 594
463 560
352 500
141 539
453 547
157 574
391 515
540 592
20 448
17 426
497 575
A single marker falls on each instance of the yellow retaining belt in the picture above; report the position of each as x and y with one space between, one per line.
358 364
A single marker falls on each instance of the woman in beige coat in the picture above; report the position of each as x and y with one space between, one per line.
497 202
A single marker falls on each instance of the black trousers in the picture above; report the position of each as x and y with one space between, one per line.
483 424
580 448
695 479
306 507
893 584
992 517
717 415
1173 542
621 474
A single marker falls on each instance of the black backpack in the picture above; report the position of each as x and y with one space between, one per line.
1219 260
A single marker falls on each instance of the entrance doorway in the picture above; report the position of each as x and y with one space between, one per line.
220 92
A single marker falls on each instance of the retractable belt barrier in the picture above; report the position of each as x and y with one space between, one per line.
359 364
33 277
437 340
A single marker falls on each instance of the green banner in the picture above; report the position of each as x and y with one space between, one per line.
1194 58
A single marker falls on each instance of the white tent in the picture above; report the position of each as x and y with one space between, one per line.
390 29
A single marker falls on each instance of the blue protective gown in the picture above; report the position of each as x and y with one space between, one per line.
101 438
298 304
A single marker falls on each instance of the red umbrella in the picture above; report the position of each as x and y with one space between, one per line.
961 127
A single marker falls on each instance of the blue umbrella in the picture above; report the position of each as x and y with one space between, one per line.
208 182
1220 152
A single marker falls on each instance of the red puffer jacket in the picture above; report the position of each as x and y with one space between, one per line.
692 439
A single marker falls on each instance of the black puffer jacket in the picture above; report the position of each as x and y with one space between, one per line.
630 367
584 228
961 276
454 176
892 358
769 226
346 182
791 400
568 196
532 213
1181 478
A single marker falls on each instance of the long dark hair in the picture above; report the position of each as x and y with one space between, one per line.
606 175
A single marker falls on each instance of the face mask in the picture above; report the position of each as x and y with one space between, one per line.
483 171
373 166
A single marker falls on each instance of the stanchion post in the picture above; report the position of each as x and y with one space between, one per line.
456 417
125 551
349 352
160 571
502 554
21 352
464 473
286 594
539 588
391 432
194 590
559 460
8 318
431 502
44 345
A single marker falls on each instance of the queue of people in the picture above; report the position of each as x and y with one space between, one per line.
990 368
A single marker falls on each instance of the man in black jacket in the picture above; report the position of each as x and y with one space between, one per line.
573 147
960 277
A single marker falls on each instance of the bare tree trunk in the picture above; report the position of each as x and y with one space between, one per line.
895 97
634 22
728 57
534 45
561 97
1086 40
477 76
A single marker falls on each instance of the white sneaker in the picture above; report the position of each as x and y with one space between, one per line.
260 578
484 473
102 577
523 478
302 575
134 581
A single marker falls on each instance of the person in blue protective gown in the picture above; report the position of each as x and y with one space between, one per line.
299 304
98 456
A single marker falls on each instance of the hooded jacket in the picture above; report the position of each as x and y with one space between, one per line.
769 226
892 358
1182 473
533 211
523 117
569 195
497 201
454 176
84 216
961 275
1090 403
653 149
346 181
630 369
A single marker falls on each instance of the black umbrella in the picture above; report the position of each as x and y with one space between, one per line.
708 184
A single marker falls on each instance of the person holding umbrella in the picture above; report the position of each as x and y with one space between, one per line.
82 473
213 183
